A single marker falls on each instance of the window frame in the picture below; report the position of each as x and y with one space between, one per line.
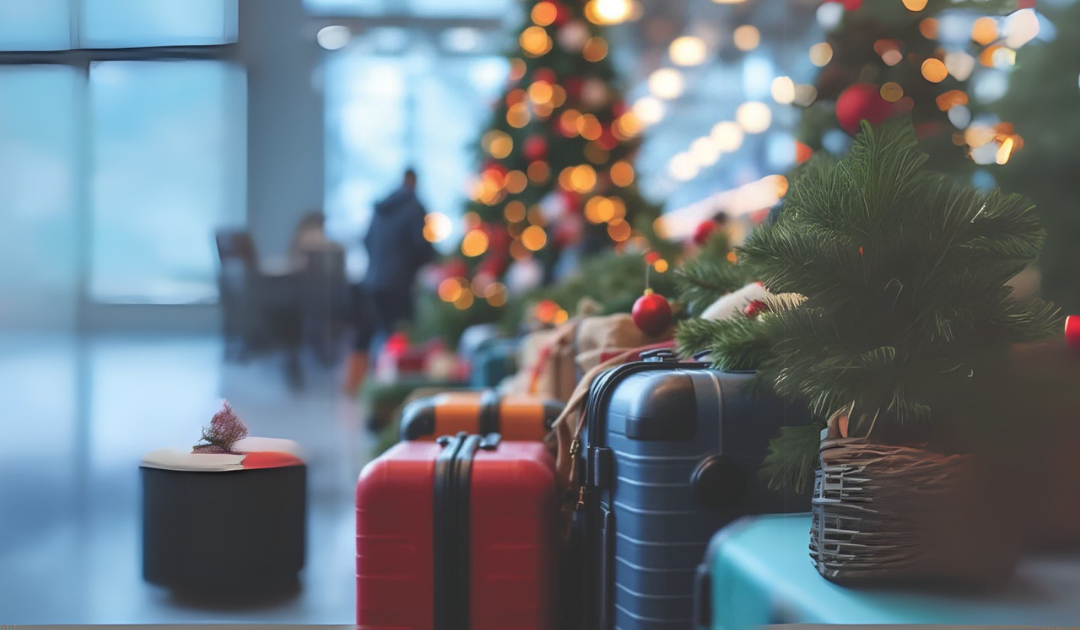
81 60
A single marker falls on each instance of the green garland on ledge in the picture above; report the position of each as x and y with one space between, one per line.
904 273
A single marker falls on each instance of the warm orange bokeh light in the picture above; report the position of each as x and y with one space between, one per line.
595 49
474 244
534 238
934 70
622 173
544 13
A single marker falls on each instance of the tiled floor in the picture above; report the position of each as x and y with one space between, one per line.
75 417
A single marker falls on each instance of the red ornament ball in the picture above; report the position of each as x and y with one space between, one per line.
704 230
651 313
573 87
536 148
544 75
562 14
455 268
1072 331
755 308
861 101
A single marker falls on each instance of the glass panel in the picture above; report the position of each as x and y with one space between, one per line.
384 113
462 8
35 24
168 142
425 8
131 23
38 192
346 7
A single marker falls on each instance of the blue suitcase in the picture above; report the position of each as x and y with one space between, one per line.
493 361
671 454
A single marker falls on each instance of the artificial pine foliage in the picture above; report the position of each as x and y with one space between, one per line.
710 275
904 273
1043 101
613 280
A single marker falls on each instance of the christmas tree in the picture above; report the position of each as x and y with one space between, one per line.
556 163
903 272
1043 101
884 58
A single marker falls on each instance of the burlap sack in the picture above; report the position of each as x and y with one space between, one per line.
547 364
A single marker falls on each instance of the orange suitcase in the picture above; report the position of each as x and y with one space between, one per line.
515 417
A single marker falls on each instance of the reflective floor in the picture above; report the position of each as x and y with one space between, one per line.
76 414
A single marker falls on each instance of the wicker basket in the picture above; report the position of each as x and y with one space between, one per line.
884 513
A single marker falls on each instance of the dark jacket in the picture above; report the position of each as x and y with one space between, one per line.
395 242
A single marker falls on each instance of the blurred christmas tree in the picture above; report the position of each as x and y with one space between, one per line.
1043 101
884 58
556 172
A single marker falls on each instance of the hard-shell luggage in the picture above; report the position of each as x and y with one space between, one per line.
458 534
671 454
492 361
515 417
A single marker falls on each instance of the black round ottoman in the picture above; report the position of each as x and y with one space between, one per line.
224 533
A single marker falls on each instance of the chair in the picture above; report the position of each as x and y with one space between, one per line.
324 293
239 266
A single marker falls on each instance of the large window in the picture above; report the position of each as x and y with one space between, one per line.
121 151
166 162
388 112
38 191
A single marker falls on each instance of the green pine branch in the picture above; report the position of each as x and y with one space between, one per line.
904 276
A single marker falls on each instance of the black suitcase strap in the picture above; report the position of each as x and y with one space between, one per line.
490 402
450 522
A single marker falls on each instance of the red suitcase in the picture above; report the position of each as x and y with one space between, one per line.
459 534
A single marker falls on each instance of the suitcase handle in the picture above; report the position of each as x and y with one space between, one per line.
488 442
659 355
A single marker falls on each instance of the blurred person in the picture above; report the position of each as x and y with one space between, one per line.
309 237
396 250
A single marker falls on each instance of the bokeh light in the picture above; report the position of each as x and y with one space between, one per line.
687 51
535 41
783 90
595 49
728 136
821 54
746 37
544 13
666 83
649 109
754 117
622 173
934 70
534 238
474 244
892 92
437 227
